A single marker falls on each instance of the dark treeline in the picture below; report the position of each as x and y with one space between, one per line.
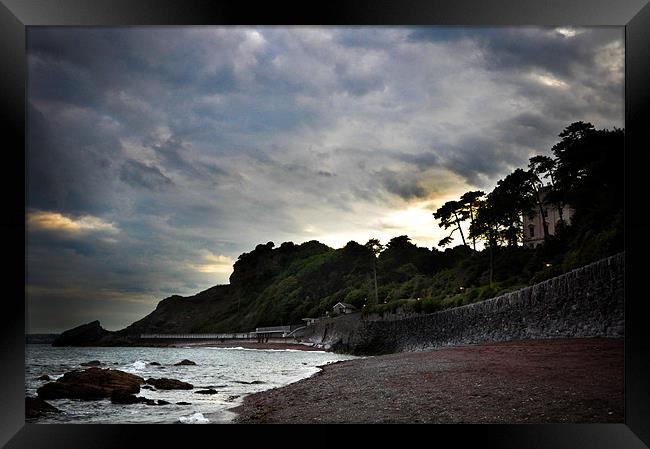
585 174
585 177
281 285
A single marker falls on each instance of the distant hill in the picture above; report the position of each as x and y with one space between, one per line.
34 339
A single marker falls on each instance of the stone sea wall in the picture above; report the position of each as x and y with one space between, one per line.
585 302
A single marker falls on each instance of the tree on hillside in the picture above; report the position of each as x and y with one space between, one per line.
471 201
399 252
572 155
376 247
544 167
486 226
499 217
451 215
511 198
589 165
537 187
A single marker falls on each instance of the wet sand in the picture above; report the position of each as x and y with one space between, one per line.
533 381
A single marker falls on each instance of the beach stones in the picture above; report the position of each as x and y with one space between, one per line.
184 362
36 408
169 384
154 363
183 403
44 377
90 384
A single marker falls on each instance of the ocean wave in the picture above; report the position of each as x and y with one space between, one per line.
196 418
136 366
239 348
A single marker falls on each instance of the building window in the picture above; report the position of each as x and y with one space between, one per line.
545 212
531 229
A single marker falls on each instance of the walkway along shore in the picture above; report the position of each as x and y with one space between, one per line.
528 381
247 344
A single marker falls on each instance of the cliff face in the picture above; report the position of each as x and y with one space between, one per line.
586 302
31 339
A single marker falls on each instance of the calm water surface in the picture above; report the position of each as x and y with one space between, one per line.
228 370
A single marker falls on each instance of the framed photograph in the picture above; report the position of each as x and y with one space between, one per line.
360 213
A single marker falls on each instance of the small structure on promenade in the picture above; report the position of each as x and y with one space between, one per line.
342 308
310 321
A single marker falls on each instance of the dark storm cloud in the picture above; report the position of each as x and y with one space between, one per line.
61 242
400 185
519 49
191 215
421 160
365 37
481 158
358 84
153 152
173 152
69 165
144 176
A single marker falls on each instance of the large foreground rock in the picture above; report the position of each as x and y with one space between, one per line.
169 384
91 384
89 334
36 407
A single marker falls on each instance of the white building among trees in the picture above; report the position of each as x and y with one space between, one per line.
534 226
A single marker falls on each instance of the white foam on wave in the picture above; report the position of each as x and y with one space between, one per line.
239 348
136 366
196 418
139 365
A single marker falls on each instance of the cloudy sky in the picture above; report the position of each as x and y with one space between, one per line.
157 155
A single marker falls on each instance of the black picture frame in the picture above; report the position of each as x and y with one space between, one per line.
634 15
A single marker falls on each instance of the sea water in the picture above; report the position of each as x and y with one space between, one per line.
233 372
